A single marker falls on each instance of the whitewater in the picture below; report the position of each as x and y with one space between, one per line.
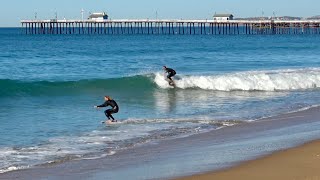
274 80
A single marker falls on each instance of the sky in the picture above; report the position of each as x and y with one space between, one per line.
12 11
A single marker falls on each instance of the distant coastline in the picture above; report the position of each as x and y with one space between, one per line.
280 18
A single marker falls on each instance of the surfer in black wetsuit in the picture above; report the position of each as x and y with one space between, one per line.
171 73
108 112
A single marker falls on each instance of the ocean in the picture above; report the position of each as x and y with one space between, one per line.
50 84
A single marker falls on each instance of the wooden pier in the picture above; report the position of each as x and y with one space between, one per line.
171 27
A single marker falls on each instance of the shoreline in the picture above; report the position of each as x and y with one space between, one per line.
214 150
299 163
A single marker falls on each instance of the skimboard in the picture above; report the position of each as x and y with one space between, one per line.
109 122
171 83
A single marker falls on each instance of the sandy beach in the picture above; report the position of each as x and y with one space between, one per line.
300 163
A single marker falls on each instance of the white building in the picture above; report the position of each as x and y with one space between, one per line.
223 17
98 16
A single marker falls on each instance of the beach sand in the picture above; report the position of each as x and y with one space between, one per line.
300 163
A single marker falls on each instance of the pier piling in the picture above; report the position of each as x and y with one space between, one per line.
171 27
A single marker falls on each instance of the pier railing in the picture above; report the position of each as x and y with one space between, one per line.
155 26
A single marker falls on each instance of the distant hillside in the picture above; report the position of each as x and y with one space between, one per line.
279 18
253 18
314 17
288 18
270 18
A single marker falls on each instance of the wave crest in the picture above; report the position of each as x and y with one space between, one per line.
275 80
89 86
278 80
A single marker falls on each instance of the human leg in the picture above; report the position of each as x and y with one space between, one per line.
109 113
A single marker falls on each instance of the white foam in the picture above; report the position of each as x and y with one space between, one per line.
95 144
12 168
307 108
273 80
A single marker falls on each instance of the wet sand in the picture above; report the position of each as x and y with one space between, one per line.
300 163
214 150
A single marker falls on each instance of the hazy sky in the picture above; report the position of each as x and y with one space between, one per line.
12 11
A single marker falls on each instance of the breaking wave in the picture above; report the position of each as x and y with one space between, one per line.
276 80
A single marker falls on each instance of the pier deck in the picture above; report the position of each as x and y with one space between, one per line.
151 26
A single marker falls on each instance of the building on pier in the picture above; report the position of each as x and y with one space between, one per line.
223 17
98 16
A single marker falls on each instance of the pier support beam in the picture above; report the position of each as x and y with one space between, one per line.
171 27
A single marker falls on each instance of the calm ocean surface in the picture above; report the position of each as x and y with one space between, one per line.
50 83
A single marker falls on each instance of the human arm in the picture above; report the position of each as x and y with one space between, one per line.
169 70
105 104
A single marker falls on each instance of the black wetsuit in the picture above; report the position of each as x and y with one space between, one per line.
171 73
108 112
